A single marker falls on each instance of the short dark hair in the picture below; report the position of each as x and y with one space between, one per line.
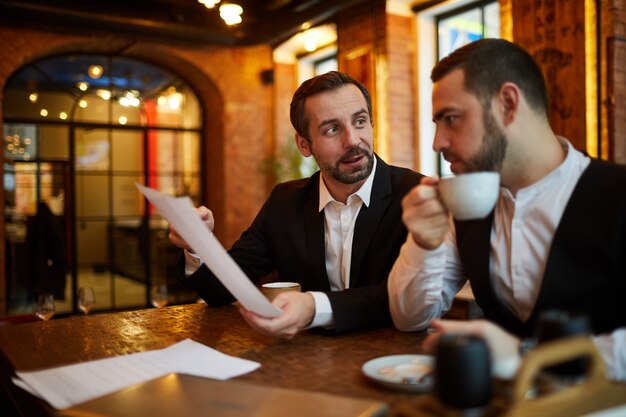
489 63
329 81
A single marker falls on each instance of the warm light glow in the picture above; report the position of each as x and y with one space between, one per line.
33 97
124 101
27 141
597 147
63 115
82 86
174 101
122 120
305 26
209 4
134 102
104 94
162 101
82 104
231 13
310 44
95 71
43 112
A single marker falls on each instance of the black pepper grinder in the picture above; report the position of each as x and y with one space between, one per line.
463 373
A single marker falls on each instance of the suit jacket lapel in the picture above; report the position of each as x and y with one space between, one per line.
369 218
314 239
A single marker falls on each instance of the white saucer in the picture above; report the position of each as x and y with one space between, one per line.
392 370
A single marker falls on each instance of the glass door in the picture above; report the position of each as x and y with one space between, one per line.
79 132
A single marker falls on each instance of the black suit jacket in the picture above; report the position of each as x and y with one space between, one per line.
287 237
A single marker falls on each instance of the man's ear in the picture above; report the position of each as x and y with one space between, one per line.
508 101
304 146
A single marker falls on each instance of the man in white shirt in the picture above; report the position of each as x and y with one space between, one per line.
336 233
557 236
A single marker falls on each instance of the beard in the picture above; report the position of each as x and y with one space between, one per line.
350 177
491 154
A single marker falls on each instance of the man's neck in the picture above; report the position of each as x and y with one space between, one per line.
531 158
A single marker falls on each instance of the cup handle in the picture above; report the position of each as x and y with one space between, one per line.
554 353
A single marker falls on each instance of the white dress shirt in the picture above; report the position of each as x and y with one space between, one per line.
339 223
422 283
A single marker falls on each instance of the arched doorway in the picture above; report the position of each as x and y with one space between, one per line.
79 130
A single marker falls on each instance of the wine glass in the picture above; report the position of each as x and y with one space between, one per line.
45 306
159 295
86 299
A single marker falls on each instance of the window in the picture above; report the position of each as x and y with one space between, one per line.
441 30
79 131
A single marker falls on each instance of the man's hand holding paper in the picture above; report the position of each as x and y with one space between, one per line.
298 312
207 218
192 229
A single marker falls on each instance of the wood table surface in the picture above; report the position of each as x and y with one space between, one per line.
311 361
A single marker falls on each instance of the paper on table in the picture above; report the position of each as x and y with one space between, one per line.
69 385
180 212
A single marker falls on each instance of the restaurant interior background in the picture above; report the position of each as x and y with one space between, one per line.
165 93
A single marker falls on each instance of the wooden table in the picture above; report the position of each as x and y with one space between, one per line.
311 361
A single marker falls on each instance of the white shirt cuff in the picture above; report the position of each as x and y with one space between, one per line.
506 369
192 263
612 347
323 311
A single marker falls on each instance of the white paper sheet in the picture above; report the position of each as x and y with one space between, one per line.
181 214
66 386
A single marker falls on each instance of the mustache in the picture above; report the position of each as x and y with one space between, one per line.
448 155
351 153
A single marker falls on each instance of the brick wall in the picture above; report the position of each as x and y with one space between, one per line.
377 49
285 84
402 94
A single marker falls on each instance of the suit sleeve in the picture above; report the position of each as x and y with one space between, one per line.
360 308
251 252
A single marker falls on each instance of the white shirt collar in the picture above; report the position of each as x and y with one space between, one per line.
364 193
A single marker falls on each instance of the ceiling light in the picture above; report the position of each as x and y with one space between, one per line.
209 4
231 13
43 112
95 71
82 86
122 120
82 104
310 44
62 115
33 97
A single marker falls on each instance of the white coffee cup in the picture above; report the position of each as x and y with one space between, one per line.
470 196
272 289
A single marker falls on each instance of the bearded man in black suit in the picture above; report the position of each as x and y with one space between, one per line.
337 233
